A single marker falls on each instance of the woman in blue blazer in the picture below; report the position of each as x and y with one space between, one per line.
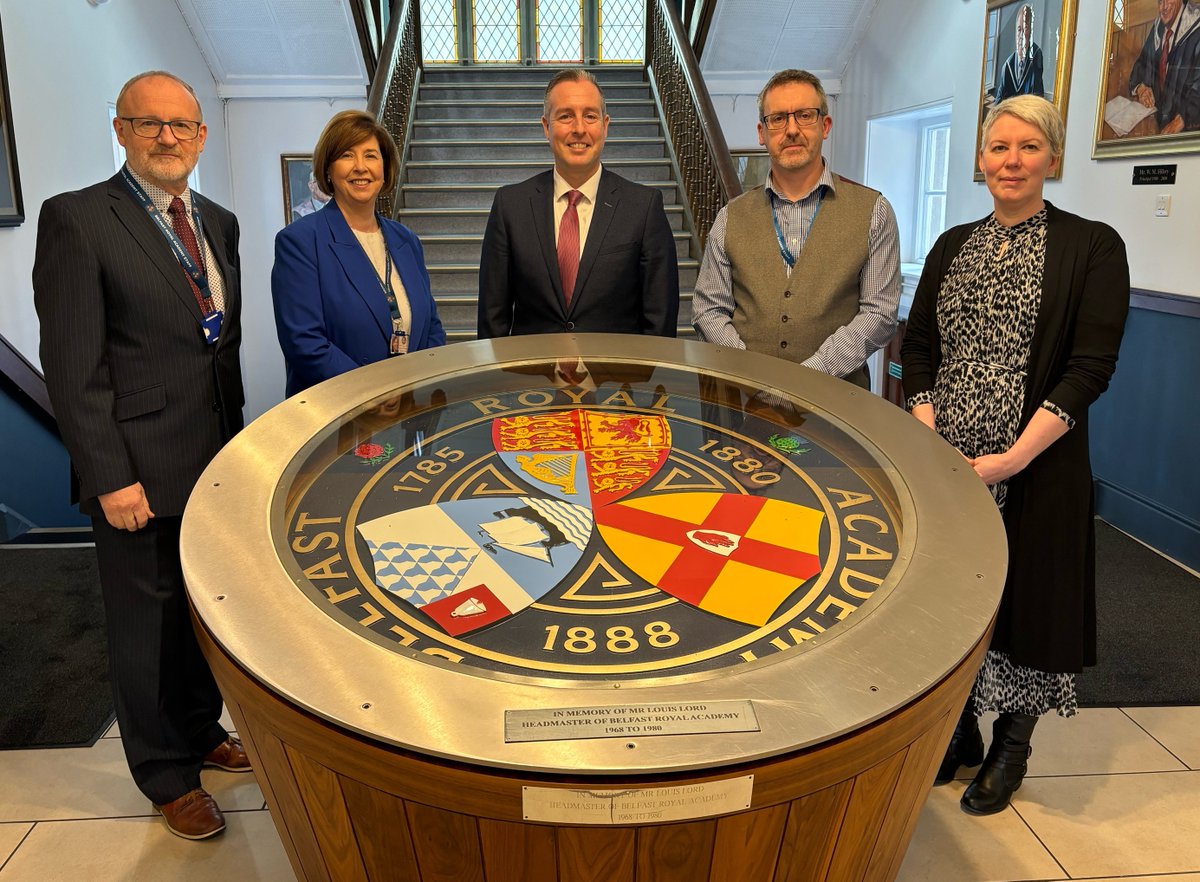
350 286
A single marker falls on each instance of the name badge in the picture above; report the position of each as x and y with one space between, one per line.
398 345
211 324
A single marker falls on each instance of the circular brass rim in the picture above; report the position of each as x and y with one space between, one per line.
933 607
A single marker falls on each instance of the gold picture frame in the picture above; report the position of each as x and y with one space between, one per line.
12 205
1042 68
299 198
1167 122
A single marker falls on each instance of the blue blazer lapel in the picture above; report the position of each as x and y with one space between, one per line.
357 266
145 232
602 214
541 205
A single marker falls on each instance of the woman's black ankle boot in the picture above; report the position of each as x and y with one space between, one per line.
1004 766
966 747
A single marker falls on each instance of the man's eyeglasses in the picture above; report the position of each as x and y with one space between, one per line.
145 127
805 116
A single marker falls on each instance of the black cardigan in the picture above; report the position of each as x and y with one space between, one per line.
1047 617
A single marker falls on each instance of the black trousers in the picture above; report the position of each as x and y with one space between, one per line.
167 701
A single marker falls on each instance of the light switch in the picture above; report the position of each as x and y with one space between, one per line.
1162 205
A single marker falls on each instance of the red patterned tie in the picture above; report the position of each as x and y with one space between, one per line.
568 245
184 231
1162 61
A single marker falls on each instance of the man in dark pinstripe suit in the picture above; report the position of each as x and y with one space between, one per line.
139 298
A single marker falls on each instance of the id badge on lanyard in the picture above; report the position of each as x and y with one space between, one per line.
398 342
211 324
785 252
398 345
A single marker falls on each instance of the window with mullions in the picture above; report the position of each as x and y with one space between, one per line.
497 31
908 156
559 31
439 31
935 163
622 31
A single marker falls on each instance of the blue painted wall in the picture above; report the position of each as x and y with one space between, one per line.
1146 436
34 469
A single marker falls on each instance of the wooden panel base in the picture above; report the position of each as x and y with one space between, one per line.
348 808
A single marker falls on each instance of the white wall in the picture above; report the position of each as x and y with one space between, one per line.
925 51
259 131
66 61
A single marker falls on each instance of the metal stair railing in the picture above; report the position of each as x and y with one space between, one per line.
393 96
701 153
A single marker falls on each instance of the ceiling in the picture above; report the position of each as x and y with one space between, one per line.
750 39
279 48
282 48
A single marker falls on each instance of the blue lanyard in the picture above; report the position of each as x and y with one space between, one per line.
784 251
195 273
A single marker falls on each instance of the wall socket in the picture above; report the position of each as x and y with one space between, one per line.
1162 206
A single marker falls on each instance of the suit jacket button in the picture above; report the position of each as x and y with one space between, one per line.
787 293
216 406
570 326
783 345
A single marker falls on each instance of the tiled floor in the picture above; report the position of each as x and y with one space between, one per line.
1111 794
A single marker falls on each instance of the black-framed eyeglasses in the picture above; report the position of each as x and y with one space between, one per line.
805 116
147 127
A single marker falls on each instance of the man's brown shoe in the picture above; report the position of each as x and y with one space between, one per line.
228 755
193 816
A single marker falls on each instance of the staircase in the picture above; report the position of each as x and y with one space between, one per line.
479 128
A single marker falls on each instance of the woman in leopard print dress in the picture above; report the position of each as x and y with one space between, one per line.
1013 333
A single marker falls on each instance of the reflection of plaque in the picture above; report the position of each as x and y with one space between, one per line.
762 593
638 805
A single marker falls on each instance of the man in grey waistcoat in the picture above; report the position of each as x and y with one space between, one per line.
806 267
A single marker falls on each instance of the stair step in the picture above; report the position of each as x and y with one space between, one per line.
485 89
473 221
473 194
462 248
454 73
525 148
500 129
510 171
531 110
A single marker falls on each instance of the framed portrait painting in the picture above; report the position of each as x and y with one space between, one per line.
1027 50
1150 85
300 193
12 208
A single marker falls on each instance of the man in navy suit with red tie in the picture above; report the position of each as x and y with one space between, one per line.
577 248
137 285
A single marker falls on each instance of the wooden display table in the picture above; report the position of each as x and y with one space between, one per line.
592 608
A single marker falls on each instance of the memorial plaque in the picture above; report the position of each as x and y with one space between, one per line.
622 721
